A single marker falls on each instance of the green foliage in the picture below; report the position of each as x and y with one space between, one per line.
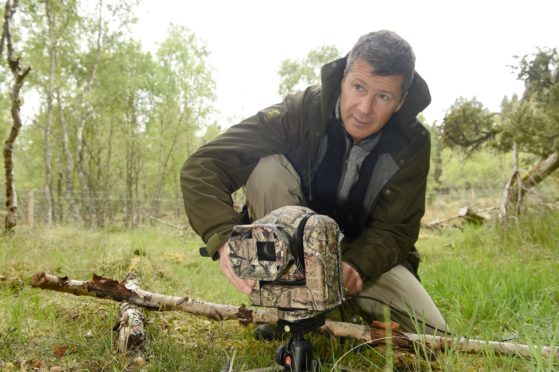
468 125
532 122
529 125
457 179
298 74
117 122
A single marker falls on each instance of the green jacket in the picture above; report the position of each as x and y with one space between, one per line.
395 198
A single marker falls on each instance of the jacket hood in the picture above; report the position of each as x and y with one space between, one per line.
332 73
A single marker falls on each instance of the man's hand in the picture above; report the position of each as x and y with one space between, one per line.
243 285
351 278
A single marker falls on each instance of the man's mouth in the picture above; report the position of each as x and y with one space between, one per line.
361 122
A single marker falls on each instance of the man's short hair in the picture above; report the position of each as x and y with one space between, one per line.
387 52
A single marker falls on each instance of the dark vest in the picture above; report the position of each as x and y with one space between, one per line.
327 180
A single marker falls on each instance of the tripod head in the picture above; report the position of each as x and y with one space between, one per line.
297 353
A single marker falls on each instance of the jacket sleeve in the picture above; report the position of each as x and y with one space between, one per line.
222 166
394 221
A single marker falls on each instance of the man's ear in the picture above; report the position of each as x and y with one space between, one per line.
404 96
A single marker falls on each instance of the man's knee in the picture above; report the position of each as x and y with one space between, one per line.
273 183
407 300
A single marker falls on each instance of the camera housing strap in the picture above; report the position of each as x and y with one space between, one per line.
296 245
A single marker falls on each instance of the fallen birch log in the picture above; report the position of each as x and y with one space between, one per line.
108 288
130 326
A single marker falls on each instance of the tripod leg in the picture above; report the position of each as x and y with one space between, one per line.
296 355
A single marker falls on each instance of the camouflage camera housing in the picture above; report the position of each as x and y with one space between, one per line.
294 256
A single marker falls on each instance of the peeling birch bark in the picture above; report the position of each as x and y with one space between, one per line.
130 326
19 75
107 288
112 289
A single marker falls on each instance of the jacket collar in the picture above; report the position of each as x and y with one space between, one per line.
332 73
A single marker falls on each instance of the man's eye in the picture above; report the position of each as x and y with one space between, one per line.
358 87
385 97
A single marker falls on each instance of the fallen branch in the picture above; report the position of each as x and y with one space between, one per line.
465 214
108 288
130 326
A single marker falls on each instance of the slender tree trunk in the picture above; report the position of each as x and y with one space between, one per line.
59 205
510 198
132 168
48 174
30 209
107 183
129 195
164 159
99 199
69 193
19 75
518 186
48 187
88 208
438 172
85 191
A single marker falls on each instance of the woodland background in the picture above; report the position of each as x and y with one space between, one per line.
108 125
104 129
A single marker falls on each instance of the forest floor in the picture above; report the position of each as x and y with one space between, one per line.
492 282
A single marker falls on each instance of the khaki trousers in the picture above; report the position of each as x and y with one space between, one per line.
274 183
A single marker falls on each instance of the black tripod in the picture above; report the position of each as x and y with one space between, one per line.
297 354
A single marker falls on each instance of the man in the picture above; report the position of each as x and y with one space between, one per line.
352 149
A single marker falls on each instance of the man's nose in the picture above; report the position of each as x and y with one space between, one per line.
366 105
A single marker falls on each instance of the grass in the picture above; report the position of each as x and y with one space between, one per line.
491 282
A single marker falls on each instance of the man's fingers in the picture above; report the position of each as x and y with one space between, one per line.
351 279
242 285
235 280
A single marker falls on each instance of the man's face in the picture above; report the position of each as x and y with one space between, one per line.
367 100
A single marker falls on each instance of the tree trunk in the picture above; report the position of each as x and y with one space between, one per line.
30 209
511 199
19 75
99 200
164 160
132 167
86 195
69 193
48 121
539 172
437 158
85 191
517 186
107 184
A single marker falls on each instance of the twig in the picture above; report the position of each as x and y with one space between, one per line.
167 223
